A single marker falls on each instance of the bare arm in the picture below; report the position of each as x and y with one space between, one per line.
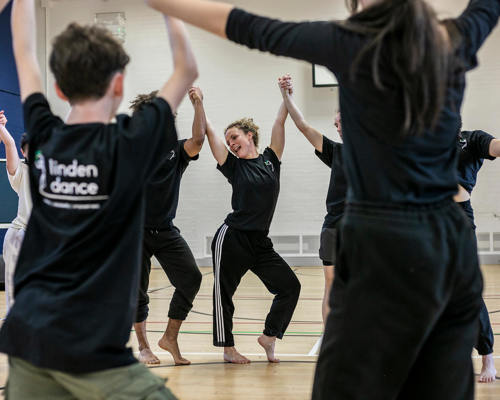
194 144
185 68
495 148
3 3
24 44
10 146
278 132
219 149
311 134
208 15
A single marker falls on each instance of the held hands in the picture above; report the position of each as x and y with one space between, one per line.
195 95
285 85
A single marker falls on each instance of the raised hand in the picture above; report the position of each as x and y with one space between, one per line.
285 85
195 94
3 118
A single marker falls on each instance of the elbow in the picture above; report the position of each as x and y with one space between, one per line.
198 141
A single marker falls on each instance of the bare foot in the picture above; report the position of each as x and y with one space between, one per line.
172 347
267 342
231 355
147 357
488 370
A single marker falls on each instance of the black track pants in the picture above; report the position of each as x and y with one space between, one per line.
234 252
405 305
176 259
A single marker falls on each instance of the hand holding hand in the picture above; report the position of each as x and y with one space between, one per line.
285 84
195 94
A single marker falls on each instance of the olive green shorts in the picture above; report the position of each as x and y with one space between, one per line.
133 382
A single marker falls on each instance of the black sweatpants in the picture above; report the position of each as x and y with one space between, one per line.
234 252
485 339
177 260
405 305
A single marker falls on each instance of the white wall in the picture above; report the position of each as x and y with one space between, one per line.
238 82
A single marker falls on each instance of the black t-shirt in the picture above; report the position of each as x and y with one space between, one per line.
337 190
78 270
256 186
381 164
162 192
473 148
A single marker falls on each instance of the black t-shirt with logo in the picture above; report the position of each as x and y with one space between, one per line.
256 186
382 164
473 148
78 270
162 192
331 155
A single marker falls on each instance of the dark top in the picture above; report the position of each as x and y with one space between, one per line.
256 186
78 270
337 190
381 165
473 148
162 192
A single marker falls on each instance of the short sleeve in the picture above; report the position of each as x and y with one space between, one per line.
328 151
229 166
475 24
184 155
149 134
270 155
480 144
39 121
318 42
16 179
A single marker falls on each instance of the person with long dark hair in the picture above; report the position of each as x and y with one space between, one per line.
473 148
407 289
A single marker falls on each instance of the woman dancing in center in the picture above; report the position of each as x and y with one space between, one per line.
242 242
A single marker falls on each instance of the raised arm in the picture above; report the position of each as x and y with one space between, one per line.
208 15
3 3
10 146
495 148
24 44
477 21
315 42
194 144
278 132
185 68
311 134
219 149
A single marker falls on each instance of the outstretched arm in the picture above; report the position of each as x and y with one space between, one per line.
10 146
311 134
219 149
185 68
278 132
208 15
194 144
24 44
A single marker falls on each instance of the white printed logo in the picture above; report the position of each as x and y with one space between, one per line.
66 183
269 163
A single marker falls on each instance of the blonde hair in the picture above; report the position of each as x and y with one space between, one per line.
246 125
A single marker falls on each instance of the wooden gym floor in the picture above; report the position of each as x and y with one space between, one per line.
210 378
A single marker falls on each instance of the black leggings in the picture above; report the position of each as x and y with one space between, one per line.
176 259
485 339
405 303
234 252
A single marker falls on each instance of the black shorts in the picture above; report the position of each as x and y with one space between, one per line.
328 246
